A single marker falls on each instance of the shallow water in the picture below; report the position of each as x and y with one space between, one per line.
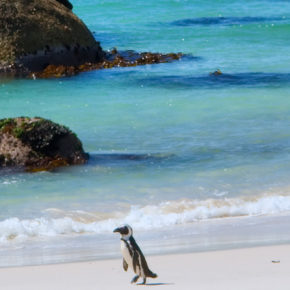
172 147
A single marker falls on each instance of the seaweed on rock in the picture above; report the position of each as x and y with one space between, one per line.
38 144
113 59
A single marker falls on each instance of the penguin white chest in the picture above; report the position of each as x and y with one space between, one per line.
126 254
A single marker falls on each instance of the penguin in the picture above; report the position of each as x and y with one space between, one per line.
132 255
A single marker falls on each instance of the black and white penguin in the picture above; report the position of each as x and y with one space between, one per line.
132 255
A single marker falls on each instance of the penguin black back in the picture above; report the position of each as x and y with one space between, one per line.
136 261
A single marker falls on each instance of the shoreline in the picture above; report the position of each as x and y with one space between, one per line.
199 237
247 268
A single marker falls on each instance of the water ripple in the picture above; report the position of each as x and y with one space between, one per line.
226 20
218 81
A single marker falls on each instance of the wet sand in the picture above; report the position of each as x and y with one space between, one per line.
251 268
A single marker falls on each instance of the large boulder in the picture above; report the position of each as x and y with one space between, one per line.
38 144
38 33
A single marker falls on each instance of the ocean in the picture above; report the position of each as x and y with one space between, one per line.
191 160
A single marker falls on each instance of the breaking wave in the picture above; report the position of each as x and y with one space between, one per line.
165 214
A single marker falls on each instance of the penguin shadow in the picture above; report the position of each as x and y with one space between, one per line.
154 284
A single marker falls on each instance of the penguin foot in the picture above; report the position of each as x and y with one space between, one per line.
144 281
135 279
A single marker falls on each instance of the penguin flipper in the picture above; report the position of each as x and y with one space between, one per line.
125 265
135 261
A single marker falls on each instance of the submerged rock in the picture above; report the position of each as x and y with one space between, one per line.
38 33
37 144
218 72
112 59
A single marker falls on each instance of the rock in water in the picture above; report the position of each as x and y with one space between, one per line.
66 3
38 33
38 144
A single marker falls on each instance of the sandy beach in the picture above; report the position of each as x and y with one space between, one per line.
259 268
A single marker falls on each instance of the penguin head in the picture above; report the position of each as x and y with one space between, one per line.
125 231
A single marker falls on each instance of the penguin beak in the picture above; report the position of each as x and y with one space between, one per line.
122 230
117 230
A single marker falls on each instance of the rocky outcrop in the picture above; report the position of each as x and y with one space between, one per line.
112 59
38 33
37 144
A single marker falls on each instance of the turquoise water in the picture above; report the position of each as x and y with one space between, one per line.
171 145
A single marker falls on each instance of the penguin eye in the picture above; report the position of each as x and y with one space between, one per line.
126 231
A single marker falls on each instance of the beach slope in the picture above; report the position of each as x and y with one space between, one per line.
252 268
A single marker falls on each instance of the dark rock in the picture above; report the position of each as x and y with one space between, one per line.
38 144
66 3
112 59
38 33
218 72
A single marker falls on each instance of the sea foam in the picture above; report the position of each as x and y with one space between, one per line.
165 214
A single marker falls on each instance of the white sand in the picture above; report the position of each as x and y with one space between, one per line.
221 270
